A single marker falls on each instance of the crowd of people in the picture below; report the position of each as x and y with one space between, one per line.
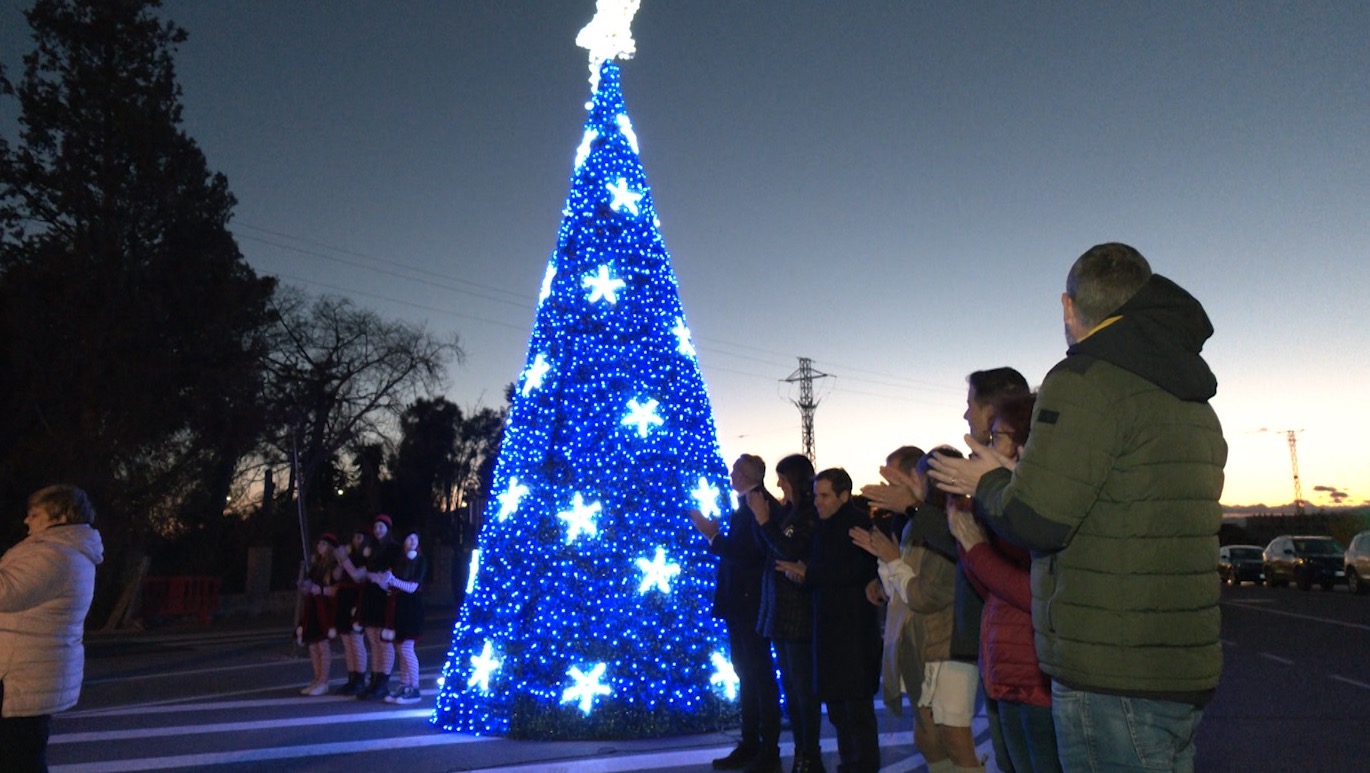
367 594
1062 573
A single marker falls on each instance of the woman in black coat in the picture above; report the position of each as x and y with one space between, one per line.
786 616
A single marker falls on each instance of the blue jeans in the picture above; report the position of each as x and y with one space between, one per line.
1098 732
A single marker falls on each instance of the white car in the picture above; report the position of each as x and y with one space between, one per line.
1358 564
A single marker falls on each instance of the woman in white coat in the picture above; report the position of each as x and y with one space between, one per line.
46 584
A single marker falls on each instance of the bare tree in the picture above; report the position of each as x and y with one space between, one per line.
339 377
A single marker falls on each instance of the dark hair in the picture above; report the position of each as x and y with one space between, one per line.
990 385
837 478
1016 412
905 457
754 466
1103 279
932 494
64 504
797 470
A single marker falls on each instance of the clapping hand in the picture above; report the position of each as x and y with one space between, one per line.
962 476
706 526
761 508
793 570
875 542
901 490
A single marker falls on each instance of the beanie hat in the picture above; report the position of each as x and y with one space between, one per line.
385 519
330 538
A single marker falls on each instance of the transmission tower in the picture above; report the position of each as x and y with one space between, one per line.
806 403
1294 461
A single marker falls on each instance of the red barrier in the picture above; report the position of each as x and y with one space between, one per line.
180 596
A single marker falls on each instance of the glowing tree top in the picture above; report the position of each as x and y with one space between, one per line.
588 614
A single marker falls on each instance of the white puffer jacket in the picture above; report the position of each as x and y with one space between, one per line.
46 584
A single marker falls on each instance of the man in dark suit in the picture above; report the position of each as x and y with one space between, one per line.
737 601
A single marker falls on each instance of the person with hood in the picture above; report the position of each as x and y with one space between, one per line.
46 585
1116 495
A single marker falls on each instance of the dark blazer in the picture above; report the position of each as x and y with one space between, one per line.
846 626
737 597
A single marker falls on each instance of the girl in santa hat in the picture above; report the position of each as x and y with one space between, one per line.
318 614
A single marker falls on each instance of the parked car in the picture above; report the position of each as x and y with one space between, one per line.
1240 563
1357 563
1304 560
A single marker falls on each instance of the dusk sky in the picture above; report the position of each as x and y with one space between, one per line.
893 189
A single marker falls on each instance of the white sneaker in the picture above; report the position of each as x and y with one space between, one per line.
317 688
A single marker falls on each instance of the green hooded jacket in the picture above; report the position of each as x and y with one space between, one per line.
1117 495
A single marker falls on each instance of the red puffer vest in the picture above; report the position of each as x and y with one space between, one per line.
1008 658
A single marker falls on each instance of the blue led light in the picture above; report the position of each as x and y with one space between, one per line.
589 615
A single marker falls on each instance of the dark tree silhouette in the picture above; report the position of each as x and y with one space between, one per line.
130 327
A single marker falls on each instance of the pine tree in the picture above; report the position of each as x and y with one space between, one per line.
589 615
131 329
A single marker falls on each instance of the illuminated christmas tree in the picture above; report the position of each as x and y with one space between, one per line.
588 613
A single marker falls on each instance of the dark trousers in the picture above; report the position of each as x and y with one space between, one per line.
1029 737
806 712
858 742
757 690
24 741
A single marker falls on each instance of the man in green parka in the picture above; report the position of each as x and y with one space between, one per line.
1117 495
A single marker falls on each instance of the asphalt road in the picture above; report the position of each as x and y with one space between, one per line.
1295 694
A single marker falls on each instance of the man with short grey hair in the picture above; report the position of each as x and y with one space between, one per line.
1116 494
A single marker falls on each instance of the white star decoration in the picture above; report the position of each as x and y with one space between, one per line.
509 500
471 572
609 35
643 415
580 519
657 573
532 378
724 676
624 198
603 286
625 125
707 498
586 688
547 282
682 334
583 152
485 664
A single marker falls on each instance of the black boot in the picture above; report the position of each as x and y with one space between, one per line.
738 758
354 684
375 689
804 763
765 761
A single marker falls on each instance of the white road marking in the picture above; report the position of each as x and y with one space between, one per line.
1342 623
1352 682
274 753
1277 659
235 727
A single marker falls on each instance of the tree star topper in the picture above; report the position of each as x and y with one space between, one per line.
609 35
